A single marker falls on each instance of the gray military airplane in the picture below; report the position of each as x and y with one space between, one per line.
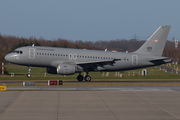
66 61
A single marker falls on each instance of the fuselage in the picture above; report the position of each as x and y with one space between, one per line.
51 56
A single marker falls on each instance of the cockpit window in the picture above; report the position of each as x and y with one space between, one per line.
18 51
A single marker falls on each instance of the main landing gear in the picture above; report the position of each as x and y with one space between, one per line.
29 73
87 78
80 77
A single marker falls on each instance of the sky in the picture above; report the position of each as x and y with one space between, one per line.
88 20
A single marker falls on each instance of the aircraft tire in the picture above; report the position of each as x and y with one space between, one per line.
80 78
28 75
87 78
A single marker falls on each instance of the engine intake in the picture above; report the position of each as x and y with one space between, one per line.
66 69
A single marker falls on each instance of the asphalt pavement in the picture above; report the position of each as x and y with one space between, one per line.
90 105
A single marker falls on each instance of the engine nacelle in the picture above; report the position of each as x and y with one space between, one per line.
66 69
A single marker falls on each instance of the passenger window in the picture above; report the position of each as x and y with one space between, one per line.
70 56
75 57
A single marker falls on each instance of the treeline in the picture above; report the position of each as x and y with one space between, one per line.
9 43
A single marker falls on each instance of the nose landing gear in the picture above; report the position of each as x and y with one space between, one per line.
29 73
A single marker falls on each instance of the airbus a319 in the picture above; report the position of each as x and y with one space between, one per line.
67 61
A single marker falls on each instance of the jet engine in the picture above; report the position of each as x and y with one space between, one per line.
66 69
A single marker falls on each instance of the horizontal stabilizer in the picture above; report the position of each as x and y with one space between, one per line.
159 59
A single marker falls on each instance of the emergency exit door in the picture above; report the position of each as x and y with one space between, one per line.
134 60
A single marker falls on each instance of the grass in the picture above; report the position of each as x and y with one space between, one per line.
38 74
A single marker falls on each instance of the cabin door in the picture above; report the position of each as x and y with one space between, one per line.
31 53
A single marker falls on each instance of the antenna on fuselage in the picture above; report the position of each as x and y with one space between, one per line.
105 49
33 45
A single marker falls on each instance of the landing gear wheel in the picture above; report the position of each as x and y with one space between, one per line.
87 78
80 78
28 75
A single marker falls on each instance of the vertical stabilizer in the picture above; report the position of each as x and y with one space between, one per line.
156 43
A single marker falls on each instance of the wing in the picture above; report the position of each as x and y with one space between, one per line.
89 65
92 65
97 62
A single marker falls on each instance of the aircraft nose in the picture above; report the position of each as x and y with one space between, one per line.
8 58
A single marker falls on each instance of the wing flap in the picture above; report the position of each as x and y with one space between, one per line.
97 61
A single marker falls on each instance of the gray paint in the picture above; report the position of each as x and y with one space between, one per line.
149 54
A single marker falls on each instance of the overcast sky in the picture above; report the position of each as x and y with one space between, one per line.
88 20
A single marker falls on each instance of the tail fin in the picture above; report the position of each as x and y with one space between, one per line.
156 43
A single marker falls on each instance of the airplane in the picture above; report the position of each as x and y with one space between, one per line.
68 61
